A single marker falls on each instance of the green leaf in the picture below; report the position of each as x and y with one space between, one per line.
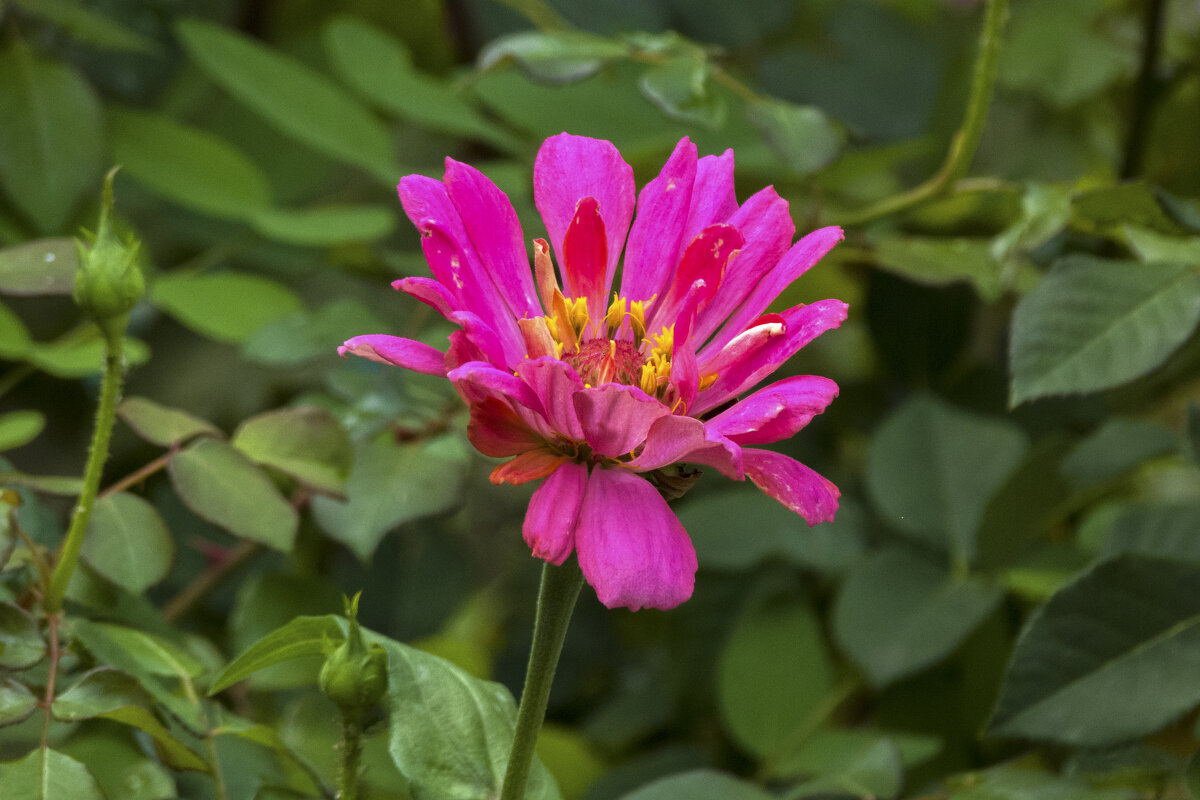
162 425
938 262
1149 245
1014 783
85 25
20 427
1093 324
128 542
306 335
110 694
837 762
1110 658
802 136
21 644
120 766
49 484
44 266
15 341
457 729
898 613
680 89
701 784
79 357
773 675
560 56
1166 530
192 167
1111 209
300 102
391 484
305 442
51 139
303 636
379 67
1116 448
16 702
325 226
45 774
221 485
225 306
932 469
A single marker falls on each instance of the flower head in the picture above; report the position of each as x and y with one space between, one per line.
601 389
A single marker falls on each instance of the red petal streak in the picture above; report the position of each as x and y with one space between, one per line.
703 260
528 466
585 256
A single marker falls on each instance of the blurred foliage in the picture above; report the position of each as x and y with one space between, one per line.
1007 604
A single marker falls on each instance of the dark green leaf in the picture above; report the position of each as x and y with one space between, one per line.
224 487
1110 658
298 101
932 469
392 484
16 702
162 425
121 766
51 139
46 774
899 613
128 542
773 676
87 25
1112 208
558 56
15 341
45 266
306 442
1167 530
20 427
187 165
325 226
680 89
21 644
306 335
1093 324
1014 783
1119 446
303 636
226 306
702 784
802 136
937 262
845 762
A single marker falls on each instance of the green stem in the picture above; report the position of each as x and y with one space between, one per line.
966 140
556 600
106 416
351 754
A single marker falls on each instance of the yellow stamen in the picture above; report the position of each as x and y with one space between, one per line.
615 316
707 381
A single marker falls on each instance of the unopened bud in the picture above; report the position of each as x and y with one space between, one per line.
354 675
109 282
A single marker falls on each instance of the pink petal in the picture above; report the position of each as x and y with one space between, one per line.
713 198
652 251
495 232
569 168
757 358
497 431
555 385
477 380
801 489
704 259
775 412
615 418
406 353
585 256
549 527
766 225
798 260
676 439
632 549
528 466
484 336
429 292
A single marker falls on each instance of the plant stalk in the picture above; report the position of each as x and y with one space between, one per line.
351 755
556 601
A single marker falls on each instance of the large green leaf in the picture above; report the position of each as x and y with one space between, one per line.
226 306
46 774
302 103
702 784
327 225
52 136
392 484
938 262
190 166
932 469
21 644
802 136
44 266
128 542
302 637
773 675
899 613
160 424
224 487
1110 658
844 762
1116 448
80 356
553 56
1093 324
456 732
306 442
1167 530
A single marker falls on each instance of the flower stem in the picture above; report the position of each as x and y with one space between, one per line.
556 600
351 747
966 140
106 416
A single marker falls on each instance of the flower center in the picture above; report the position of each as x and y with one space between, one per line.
600 361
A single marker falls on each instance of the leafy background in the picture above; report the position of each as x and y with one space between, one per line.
1008 605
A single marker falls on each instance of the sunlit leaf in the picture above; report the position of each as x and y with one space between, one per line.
303 636
553 56
128 542
226 306
680 89
305 442
325 226
20 427
78 357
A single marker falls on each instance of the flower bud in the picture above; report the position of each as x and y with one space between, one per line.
109 282
354 675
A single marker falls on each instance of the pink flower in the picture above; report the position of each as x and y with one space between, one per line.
602 399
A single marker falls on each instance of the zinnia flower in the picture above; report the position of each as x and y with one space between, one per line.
604 395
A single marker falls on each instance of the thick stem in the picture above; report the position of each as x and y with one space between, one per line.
966 140
106 416
556 600
1145 91
351 755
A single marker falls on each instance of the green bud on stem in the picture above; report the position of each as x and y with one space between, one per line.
109 282
354 675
